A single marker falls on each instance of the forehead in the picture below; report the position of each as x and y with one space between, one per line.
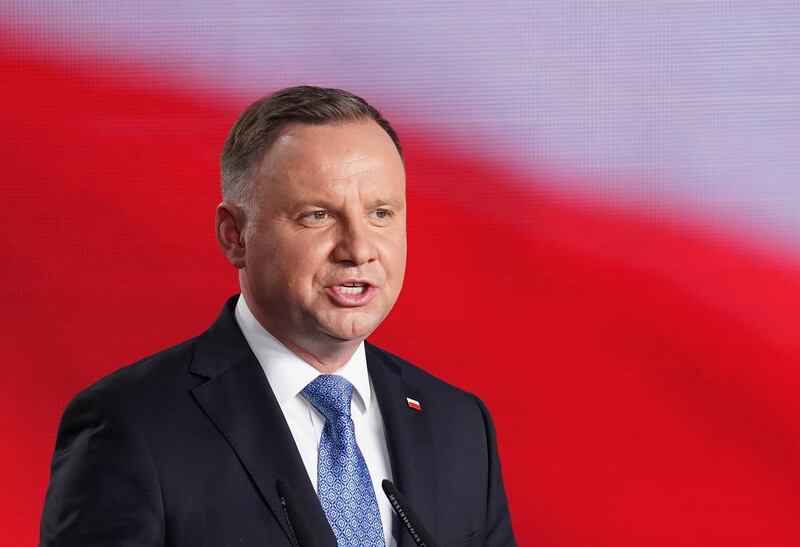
323 157
340 141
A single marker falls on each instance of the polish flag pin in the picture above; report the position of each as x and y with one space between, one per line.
413 403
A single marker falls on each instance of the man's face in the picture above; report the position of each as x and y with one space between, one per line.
325 249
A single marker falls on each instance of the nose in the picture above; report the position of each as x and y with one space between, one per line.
355 244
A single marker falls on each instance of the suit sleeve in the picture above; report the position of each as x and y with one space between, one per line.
498 531
104 488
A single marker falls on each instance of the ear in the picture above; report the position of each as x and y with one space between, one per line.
229 228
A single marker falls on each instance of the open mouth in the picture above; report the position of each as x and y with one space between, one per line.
352 288
352 293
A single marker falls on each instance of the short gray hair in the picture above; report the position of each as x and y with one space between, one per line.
260 124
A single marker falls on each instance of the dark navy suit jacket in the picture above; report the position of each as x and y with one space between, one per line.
185 447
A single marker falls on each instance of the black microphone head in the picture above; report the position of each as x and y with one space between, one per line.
298 527
388 487
283 488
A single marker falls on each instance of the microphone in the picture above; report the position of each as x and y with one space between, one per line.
421 536
299 532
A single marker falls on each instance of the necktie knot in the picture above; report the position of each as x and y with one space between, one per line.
330 394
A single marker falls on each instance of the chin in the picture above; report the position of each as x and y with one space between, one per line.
352 328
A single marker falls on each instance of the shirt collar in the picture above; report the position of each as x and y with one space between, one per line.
287 373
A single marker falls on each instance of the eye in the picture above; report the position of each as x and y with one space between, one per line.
316 218
316 215
382 214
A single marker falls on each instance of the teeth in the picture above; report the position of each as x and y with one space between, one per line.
352 288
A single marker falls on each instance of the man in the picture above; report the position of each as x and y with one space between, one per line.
186 447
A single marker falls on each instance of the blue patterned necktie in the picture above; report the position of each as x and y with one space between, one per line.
343 482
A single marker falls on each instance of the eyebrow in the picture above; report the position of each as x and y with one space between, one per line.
301 206
383 202
324 204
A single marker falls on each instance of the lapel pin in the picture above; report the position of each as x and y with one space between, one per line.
413 403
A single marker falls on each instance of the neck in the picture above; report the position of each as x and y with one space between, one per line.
325 353
326 360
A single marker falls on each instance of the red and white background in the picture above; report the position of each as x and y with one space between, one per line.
604 232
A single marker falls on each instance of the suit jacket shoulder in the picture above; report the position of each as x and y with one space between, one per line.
148 383
419 376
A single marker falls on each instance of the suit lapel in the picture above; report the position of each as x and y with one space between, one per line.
240 402
409 438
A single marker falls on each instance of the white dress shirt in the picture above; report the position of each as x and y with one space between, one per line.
288 374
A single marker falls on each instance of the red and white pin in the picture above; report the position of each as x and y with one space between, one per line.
413 403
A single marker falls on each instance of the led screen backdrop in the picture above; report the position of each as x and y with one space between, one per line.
604 232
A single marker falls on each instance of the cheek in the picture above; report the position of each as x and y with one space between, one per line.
395 258
302 264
